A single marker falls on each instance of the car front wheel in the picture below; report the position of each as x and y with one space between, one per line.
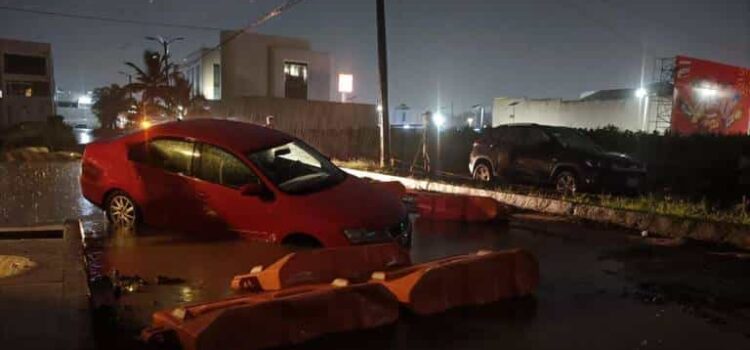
482 172
566 183
121 210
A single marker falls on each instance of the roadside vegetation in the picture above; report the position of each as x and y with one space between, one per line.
52 134
703 177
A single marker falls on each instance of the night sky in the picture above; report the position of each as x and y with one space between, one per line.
466 51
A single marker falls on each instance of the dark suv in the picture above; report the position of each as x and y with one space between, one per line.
550 155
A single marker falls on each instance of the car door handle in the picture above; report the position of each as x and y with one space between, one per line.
201 195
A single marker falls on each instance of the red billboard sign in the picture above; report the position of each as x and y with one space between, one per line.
710 97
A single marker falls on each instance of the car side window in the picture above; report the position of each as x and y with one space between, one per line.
511 136
220 167
171 155
534 137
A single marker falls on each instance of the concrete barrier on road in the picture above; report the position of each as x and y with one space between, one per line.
714 232
273 319
322 266
472 279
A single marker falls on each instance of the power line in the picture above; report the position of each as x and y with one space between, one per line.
277 11
108 19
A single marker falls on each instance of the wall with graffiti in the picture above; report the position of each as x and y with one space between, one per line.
710 97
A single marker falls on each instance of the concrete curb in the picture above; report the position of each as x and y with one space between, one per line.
715 232
76 288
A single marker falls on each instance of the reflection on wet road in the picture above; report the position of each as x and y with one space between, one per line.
600 287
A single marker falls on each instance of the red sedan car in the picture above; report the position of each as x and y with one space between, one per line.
216 175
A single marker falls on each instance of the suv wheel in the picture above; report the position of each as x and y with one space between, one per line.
566 183
121 210
482 172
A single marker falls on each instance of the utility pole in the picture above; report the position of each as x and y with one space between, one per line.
385 130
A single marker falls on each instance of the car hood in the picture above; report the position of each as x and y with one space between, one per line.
354 203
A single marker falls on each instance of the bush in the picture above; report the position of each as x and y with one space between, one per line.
695 166
52 133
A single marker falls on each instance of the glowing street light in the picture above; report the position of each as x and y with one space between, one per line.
470 121
85 100
641 92
438 119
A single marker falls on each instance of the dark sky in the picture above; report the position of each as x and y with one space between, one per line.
465 51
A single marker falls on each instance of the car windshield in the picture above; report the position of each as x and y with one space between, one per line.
570 138
297 168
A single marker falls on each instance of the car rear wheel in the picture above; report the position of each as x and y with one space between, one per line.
482 172
122 210
566 183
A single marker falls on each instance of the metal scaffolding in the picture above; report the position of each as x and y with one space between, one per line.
664 70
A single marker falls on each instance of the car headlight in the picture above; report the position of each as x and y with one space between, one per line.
360 236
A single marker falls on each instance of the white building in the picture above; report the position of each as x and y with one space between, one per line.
26 82
257 65
623 108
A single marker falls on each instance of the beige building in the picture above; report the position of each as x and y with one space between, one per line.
26 82
623 108
257 65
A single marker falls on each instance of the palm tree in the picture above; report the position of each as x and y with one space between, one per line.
110 102
181 98
151 82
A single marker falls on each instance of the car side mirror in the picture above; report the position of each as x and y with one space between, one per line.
252 189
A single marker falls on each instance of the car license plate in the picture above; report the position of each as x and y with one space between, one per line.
633 182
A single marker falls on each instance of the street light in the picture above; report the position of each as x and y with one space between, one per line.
641 92
165 42
439 119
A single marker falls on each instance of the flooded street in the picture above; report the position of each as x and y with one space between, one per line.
600 287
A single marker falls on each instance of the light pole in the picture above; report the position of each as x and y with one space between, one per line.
481 114
165 42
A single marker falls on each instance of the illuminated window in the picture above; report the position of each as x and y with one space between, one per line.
28 88
295 80
217 81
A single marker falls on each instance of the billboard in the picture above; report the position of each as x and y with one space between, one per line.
710 97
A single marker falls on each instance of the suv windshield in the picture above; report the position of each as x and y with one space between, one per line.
296 168
570 138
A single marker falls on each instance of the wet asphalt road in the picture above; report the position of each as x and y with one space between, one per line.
601 288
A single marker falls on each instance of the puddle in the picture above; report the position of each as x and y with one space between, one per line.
12 265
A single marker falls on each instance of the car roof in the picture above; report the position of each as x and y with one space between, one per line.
239 136
513 125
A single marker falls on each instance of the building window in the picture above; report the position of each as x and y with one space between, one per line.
295 80
27 65
217 81
28 88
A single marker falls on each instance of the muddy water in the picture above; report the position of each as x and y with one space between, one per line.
41 193
601 287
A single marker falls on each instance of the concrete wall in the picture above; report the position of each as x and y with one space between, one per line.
340 130
625 113
201 63
17 109
253 65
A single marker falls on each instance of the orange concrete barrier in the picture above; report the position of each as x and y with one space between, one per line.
456 207
354 263
395 187
274 319
472 279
